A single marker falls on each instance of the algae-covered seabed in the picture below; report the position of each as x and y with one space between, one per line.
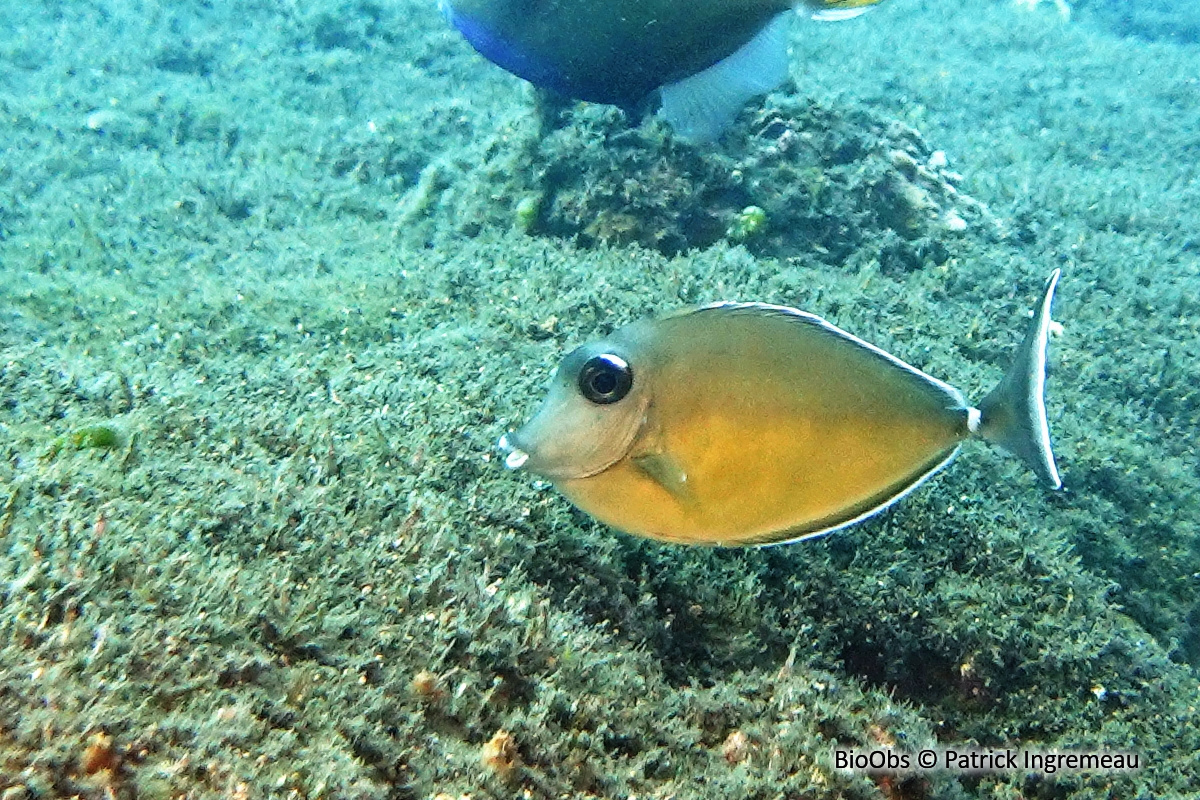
272 283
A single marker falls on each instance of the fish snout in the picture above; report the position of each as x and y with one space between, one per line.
514 456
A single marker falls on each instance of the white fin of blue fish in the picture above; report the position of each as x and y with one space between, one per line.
703 105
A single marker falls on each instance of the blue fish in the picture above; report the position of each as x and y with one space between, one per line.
703 58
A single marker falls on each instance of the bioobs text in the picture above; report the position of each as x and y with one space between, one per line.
871 760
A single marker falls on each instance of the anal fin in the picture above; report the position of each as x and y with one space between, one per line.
702 106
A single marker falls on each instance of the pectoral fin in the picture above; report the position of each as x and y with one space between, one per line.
664 471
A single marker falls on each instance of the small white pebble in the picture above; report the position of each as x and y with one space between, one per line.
954 222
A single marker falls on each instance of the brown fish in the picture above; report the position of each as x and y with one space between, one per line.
746 423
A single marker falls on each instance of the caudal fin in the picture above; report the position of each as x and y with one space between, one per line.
1013 415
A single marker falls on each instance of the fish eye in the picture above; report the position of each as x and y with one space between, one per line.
605 379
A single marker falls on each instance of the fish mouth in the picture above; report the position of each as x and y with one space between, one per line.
514 457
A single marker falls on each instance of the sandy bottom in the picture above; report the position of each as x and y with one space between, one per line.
274 279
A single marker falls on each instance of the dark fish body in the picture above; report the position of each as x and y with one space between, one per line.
615 52
705 57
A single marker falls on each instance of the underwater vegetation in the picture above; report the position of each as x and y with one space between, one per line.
798 178
275 277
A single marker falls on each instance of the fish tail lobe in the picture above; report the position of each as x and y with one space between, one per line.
1013 415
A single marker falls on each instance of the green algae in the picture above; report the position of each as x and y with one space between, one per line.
527 213
100 436
750 223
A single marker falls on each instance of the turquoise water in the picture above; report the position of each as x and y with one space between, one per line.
275 278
